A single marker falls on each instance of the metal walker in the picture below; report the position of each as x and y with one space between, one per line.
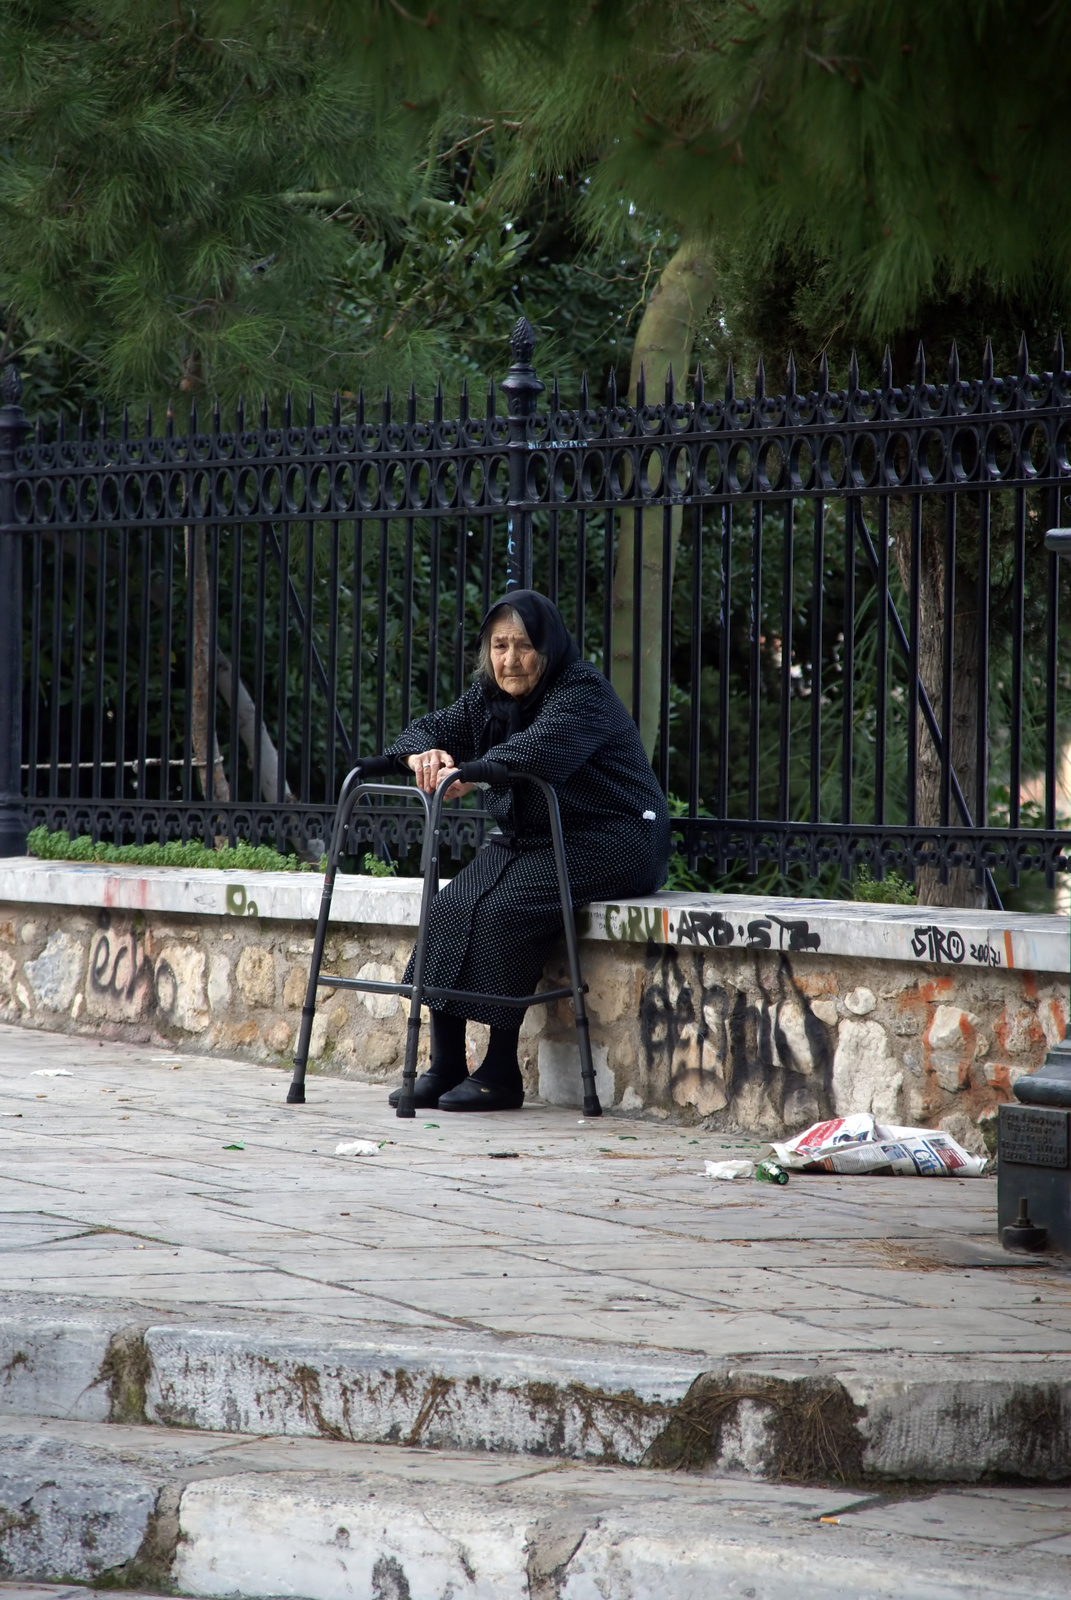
356 788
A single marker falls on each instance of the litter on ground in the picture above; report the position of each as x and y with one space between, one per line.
730 1169
859 1144
51 1072
357 1147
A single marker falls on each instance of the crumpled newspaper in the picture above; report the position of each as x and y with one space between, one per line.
730 1169
859 1144
357 1147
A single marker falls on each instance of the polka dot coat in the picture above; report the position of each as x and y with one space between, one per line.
492 927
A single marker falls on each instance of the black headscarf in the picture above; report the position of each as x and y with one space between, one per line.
545 627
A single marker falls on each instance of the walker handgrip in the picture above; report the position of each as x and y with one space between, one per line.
378 766
486 772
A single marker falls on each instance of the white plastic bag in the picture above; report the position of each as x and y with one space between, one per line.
858 1144
730 1169
357 1147
51 1072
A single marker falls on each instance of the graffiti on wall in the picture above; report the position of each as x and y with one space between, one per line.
757 1051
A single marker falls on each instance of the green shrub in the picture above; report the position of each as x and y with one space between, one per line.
243 856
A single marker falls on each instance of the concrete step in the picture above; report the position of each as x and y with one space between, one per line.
214 1514
886 1418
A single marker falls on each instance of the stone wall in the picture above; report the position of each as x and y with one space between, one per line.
764 1039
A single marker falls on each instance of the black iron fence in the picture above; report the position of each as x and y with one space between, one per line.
831 613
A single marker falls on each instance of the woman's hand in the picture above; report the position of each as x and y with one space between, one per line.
430 766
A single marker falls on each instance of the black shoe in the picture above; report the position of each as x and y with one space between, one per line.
428 1087
472 1095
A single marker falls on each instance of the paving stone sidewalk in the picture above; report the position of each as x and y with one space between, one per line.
183 1181
531 1282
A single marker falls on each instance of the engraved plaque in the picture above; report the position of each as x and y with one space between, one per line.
1033 1137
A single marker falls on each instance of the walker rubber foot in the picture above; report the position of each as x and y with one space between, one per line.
592 1108
406 1111
295 1095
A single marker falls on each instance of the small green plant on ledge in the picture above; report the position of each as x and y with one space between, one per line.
893 889
375 867
242 857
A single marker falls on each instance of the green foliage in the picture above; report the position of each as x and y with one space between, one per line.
375 867
242 857
893 889
176 203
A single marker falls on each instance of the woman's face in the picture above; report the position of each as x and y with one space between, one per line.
514 659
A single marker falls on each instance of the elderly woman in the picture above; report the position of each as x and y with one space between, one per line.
537 707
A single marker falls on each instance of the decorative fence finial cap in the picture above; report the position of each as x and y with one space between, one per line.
522 343
11 385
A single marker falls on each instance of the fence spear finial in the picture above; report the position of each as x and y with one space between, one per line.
1058 351
953 363
124 426
490 399
823 374
437 403
987 361
386 406
641 388
1024 357
886 369
699 388
611 388
790 377
730 383
920 366
555 394
671 388
760 380
310 414
853 372
336 410
288 410
583 391
360 405
463 406
410 414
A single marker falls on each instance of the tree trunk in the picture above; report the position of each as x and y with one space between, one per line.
664 339
961 888
252 731
203 715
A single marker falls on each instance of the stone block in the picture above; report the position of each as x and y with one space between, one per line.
67 1514
952 1072
790 1030
180 988
297 981
56 975
278 1036
255 972
559 1074
825 1011
952 1029
8 969
119 985
865 1073
860 1002
219 982
379 1006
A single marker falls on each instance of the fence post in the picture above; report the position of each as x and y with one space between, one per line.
521 388
13 426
